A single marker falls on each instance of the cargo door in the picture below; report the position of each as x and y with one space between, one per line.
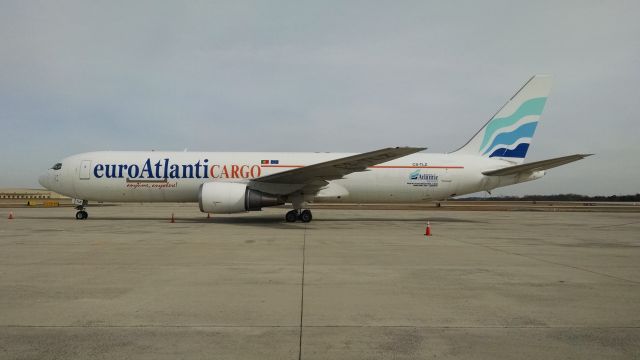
448 184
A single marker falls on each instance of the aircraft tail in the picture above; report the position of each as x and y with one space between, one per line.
509 132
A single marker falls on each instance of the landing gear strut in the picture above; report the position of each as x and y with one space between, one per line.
297 214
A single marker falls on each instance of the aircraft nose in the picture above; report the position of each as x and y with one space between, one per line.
44 180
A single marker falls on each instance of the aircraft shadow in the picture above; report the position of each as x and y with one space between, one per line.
262 220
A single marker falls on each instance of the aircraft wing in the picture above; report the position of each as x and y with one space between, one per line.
536 165
336 169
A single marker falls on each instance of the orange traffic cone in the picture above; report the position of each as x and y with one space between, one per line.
173 219
427 231
10 215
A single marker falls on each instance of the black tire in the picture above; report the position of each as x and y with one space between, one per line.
306 216
291 216
85 215
80 215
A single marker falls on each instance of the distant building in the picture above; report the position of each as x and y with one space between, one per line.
29 194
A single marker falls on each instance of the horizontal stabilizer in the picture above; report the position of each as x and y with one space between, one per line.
536 166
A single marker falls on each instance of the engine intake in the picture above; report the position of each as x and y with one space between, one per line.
229 197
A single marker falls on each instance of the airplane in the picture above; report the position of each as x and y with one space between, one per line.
225 182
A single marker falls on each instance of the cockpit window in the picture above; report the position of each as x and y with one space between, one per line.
57 166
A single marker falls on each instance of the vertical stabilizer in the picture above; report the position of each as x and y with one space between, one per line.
509 132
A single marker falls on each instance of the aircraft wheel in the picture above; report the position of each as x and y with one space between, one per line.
291 216
82 215
306 216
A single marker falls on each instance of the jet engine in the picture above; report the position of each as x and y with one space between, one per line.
229 197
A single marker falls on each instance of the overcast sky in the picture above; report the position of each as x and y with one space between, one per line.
318 76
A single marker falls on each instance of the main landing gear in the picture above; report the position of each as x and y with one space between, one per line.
81 214
297 214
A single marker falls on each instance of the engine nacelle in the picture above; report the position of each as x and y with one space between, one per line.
229 197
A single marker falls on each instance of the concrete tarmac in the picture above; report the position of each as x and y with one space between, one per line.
127 283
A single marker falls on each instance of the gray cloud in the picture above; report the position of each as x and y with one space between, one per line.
320 76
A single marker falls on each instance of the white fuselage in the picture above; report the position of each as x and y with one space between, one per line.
155 176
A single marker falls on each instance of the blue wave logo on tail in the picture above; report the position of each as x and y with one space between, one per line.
502 140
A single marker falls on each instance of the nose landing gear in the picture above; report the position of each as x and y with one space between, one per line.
297 214
81 204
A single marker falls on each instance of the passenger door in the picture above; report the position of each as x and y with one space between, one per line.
85 169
